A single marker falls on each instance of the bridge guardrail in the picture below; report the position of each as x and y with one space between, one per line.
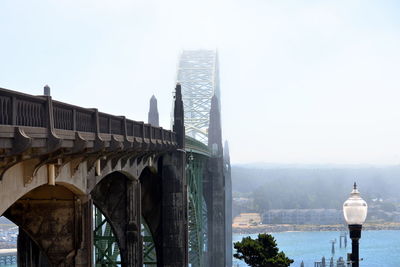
19 109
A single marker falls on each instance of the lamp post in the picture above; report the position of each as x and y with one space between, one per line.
355 213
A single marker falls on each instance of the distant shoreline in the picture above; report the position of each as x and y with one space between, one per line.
274 228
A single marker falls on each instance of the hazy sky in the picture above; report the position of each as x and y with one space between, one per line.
302 81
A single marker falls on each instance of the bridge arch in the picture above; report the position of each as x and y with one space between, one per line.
49 218
106 245
16 183
117 196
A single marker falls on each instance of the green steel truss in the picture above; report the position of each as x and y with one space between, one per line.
149 248
106 249
197 154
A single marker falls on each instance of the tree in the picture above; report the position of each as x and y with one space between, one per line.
261 252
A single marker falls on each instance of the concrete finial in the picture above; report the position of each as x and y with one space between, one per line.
46 90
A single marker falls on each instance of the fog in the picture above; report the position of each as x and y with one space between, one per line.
301 81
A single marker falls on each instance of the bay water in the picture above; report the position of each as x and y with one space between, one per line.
377 248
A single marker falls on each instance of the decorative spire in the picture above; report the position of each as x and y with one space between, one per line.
153 117
46 90
179 126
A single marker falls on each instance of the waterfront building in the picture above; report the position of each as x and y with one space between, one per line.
303 216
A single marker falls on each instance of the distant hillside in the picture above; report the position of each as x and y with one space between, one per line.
311 186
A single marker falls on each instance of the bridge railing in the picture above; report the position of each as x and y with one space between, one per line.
20 109
193 145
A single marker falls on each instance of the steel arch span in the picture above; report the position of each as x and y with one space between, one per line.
198 75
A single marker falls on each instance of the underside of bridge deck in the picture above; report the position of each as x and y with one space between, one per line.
58 222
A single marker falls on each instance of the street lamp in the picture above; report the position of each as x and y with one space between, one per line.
355 213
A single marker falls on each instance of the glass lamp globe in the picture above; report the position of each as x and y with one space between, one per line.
355 208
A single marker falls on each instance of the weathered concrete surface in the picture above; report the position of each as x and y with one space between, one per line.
174 212
175 246
14 184
151 196
215 199
57 220
214 188
29 253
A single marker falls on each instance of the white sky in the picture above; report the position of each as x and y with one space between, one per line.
302 81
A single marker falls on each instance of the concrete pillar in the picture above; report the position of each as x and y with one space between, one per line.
133 232
175 246
84 255
174 211
216 213
215 190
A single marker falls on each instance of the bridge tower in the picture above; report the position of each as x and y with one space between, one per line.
198 74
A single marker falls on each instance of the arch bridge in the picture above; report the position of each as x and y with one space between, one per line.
88 188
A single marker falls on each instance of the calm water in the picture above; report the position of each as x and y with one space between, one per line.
378 248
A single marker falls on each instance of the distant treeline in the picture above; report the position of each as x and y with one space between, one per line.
314 187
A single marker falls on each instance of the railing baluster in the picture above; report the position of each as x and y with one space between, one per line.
74 119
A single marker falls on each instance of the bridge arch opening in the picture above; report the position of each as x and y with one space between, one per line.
15 184
105 244
116 198
48 218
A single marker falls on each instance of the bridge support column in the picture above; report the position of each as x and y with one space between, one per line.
134 241
174 211
215 199
215 190
175 242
